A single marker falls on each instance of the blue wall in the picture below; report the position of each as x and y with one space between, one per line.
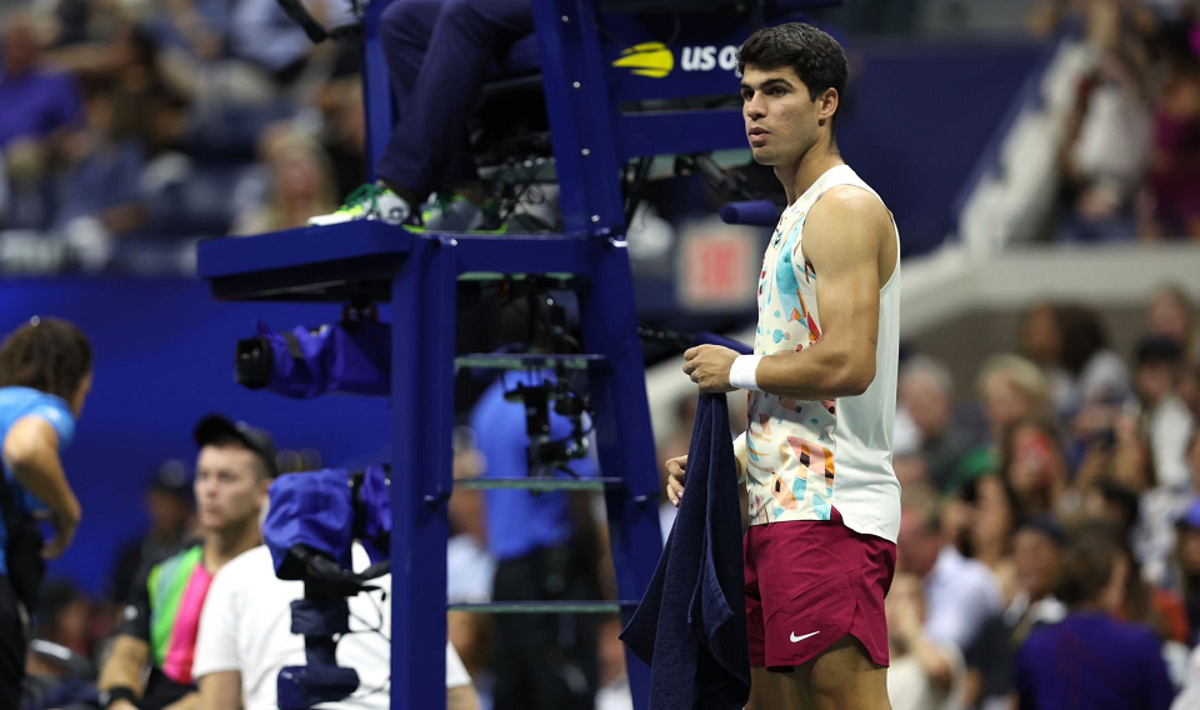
920 119
164 358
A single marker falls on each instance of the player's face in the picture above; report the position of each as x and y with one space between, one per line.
782 121
229 490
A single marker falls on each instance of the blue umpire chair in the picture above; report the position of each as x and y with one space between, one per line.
622 79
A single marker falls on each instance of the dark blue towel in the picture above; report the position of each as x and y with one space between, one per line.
690 627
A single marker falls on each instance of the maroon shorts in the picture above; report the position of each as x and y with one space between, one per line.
809 584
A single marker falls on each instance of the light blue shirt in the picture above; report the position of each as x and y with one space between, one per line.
518 521
17 403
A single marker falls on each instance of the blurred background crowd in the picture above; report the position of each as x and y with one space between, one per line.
159 122
131 128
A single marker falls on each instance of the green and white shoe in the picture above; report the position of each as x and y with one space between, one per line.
370 201
455 213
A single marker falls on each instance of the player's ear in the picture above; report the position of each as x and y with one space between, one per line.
827 105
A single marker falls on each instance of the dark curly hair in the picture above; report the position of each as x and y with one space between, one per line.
47 354
817 58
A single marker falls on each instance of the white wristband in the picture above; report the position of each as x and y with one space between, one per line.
744 373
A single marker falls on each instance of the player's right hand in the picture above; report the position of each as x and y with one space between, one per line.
122 705
676 473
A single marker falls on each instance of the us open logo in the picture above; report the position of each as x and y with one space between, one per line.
657 61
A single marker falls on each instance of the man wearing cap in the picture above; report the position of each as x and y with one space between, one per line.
233 471
169 505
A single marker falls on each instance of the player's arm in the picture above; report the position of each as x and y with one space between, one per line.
221 691
462 697
31 453
123 669
844 236
191 701
130 650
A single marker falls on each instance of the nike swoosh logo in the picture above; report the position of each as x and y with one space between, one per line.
796 638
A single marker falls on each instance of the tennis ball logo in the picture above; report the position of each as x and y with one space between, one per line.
651 59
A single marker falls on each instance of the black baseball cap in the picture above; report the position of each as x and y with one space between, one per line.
215 427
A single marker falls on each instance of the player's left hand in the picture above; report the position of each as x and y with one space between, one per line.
708 366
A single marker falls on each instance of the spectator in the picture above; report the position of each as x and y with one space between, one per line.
1120 454
1175 166
1187 559
62 616
927 394
1172 317
37 108
99 189
1091 660
960 593
1037 555
1040 339
60 676
1012 388
923 674
1158 510
1162 610
469 566
1070 345
35 103
1165 419
1097 374
1107 147
233 470
1033 465
301 184
912 471
169 505
991 518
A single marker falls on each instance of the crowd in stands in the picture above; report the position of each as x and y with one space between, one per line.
1130 158
129 129
1076 498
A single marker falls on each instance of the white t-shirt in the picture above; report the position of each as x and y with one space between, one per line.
909 688
246 627
960 595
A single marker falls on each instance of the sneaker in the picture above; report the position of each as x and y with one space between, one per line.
370 201
452 213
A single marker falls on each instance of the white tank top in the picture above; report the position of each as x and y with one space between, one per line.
805 459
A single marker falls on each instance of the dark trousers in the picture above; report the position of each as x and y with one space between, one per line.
12 646
438 52
545 661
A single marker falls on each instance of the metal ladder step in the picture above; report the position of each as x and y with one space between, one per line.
516 361
540 484
556 607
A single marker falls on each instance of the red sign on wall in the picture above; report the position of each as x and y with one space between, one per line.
717 267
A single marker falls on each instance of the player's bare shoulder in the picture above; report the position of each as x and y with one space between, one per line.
848 219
